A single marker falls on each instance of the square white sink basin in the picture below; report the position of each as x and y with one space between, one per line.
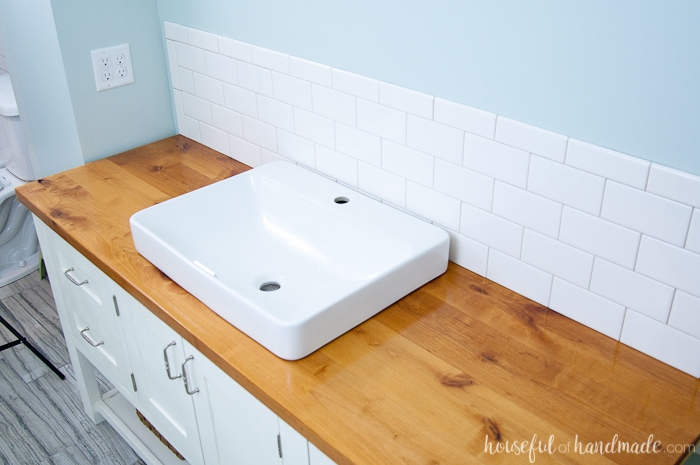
288 256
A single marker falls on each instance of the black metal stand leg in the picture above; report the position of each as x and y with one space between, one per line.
22 340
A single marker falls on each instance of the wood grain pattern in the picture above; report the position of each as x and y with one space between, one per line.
449 374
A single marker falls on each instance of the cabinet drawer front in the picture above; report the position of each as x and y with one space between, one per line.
84 296
86 289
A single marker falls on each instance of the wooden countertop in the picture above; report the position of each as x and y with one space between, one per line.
460 371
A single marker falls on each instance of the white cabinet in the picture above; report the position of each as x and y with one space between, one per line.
89 312
234 426
158 360
201 411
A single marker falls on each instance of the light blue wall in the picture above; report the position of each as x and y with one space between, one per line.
112 121
622 74
67 122
36 71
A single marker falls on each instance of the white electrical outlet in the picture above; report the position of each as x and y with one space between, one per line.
112 67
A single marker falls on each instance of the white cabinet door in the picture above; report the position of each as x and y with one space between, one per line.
160 387
235 427
316 457
295 447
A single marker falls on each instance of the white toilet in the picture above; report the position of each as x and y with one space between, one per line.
19 246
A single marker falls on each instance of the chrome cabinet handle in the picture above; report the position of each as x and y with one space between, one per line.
72 279
184 377
90 341
167 363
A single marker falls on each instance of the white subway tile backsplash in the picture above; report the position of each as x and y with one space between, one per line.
291 90
241 100
382 184
496 160
336 165
179 111
472 120
410 101
332 104
608 163
531 139
355 84
632 290
259 133
381 121
227 120
557 258
599 237
208 88
191 128
236 49
408 163
314 127
220 67
463 184
268 156
435 139
254 78
436 207
593 233
275 113
587 308
647 213
173 69
675 185
311 71
527 209
245 152
214 138
270 59
196 107
491 230
692 242
175 32
202 39
190 57
296 148
468 253
519 276
566 185
685 314
186 78
669 264
663 342
358 144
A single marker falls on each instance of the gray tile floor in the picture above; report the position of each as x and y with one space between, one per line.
41 417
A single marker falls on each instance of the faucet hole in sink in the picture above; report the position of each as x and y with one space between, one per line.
341 200
270 286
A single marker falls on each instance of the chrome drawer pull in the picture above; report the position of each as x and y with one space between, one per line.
184 377
90 341
167 363
72 279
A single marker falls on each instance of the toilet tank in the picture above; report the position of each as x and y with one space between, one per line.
13 149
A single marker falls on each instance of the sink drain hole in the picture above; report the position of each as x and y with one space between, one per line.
341 200
270 286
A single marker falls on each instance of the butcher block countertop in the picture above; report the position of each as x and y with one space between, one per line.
461 371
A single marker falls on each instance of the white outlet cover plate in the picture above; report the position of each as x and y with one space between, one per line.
112 67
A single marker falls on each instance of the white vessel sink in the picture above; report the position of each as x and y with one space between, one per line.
289 257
